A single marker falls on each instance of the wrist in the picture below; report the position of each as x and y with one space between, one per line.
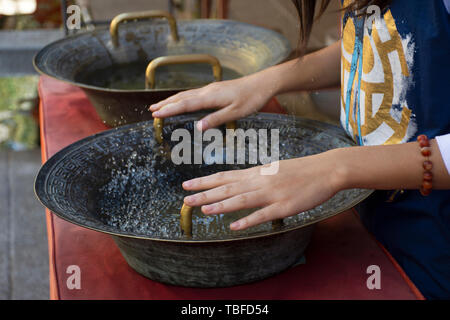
342 175
269 81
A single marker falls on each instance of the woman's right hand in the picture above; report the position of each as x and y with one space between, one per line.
234 99
238 98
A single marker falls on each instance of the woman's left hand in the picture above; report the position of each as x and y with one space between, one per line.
299 185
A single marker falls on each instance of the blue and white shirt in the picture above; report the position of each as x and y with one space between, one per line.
395 80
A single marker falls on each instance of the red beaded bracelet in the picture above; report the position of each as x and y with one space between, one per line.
425 150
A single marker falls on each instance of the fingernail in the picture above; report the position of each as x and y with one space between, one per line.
187 184
208 208
189 200
235 225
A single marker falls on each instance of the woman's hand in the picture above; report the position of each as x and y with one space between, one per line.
234 99
300 184
240 97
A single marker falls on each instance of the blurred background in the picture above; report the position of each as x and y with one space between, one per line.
28 25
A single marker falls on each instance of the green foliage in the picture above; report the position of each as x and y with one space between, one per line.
18 100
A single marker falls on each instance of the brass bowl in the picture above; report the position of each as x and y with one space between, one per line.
120 182
109 64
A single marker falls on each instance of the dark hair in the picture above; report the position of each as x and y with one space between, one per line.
307 8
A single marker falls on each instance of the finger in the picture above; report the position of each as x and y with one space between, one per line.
215 119
248 200
182 106
173 99
263 215
216 194
194 103
160 104
214 180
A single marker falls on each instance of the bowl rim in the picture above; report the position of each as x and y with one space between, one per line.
41 177
42 71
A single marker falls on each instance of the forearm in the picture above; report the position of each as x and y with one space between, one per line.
388 167
315 71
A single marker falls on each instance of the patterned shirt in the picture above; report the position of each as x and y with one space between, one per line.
395 80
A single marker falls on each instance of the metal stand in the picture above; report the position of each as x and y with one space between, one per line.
221 9
171 6
64 16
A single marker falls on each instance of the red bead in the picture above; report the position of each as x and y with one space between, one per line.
425 192
427 176
422 137
427 165
424 143
426 151
427 185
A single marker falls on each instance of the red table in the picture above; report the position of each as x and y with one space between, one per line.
340 252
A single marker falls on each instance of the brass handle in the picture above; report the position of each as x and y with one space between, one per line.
158 125
150 73
182 59
186 221
152 14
